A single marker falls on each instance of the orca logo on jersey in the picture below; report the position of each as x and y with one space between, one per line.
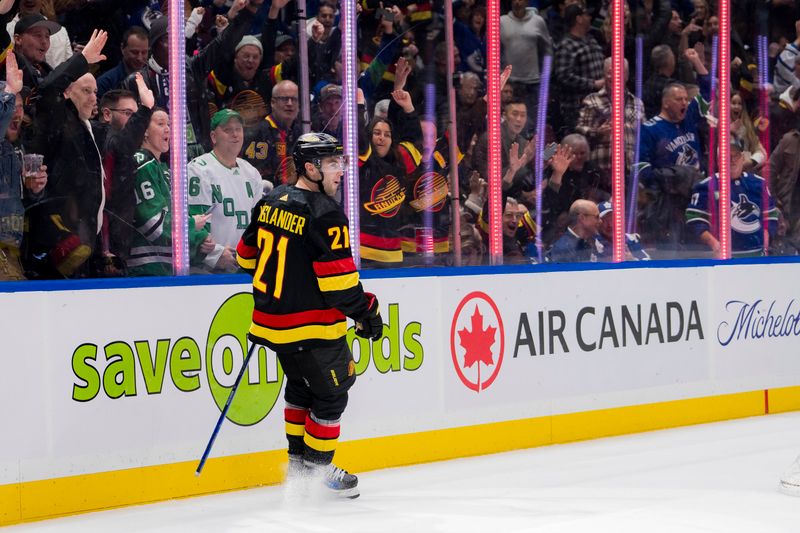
386 197
687 156
430 192
745 216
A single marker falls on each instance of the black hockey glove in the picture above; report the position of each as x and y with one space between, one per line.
370 326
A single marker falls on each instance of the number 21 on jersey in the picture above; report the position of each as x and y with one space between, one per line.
340 236
266 244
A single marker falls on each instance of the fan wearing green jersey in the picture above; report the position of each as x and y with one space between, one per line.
151 245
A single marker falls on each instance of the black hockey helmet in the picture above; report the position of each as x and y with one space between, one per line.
312 147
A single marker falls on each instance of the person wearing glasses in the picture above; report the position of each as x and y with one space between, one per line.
577 244
122 123
268 146
115 108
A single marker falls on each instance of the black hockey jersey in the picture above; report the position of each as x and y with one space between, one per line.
305 282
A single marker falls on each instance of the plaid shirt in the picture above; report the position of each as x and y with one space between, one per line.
577 64
595 112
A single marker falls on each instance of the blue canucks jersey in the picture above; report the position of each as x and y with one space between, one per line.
747 230
665 144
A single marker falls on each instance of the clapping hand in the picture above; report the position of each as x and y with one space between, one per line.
93 51
13 74
401 71
562 159
145 94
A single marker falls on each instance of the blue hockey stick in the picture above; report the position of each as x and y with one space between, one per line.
224 411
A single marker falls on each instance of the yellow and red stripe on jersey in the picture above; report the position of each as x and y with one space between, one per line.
362 158
295 421
219 87
276 73
389 73
7 50
409 156
381 249
421 12
336 275
365 59
246 255
322 324
441 245
321 437
529 224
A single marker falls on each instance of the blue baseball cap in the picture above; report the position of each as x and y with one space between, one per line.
604 208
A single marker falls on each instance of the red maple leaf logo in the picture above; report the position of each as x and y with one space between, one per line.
478 342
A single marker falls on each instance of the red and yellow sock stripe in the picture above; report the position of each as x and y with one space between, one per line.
321 437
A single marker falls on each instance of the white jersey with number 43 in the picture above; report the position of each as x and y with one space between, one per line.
228 194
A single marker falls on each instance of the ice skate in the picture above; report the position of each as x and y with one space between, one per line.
341 483
303 478
332 481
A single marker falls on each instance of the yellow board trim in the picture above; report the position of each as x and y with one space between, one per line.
338 283
284 336
784 399
36 500
10 504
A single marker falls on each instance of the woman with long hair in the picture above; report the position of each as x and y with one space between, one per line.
151 246
382 185
742 128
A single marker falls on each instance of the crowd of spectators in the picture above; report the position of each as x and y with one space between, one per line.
84 121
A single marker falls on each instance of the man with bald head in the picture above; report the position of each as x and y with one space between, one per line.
269 147
577 244
671 161
70 221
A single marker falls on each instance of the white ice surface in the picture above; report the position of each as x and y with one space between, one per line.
710 478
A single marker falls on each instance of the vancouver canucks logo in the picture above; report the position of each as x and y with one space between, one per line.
745 216
430 192
687 156
386 198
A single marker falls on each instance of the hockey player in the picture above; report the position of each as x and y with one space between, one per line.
747 219
226 187
305 284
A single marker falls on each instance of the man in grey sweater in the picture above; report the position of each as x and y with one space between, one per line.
525 40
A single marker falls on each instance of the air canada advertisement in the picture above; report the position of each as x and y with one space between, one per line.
593 340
